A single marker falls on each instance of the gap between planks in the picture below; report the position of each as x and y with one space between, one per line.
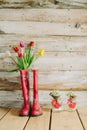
3 112
80 119
82 113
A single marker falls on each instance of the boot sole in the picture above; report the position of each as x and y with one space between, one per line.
36 115
23 115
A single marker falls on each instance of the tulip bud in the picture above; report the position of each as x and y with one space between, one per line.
41 53
15 48
22 44
20 55
32 44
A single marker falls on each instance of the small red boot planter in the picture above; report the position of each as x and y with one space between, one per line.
71 102
25 91
36 109
56 102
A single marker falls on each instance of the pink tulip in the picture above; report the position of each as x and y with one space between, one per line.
22 44
70 100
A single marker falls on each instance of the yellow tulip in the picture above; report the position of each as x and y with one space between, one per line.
41 53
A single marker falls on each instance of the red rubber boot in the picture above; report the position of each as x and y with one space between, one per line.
36 109
25 91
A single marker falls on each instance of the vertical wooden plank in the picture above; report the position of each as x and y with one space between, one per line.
40 122
65 121
83 116
3 112
13 121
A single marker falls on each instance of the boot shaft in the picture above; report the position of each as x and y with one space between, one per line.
36 109
25 85
24 79
35 84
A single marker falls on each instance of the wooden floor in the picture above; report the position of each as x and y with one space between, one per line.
10 120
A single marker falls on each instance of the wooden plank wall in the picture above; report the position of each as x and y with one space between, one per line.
44 4
58 26
63 35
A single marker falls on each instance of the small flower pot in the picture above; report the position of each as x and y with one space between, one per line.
56 105
71 101
56 101
72 105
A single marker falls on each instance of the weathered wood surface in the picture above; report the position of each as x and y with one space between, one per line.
9 85
63 35
49 43
3 112
49 120
61 80
14 99
43 3
83 116
44 15
53 61
45 28
41 123
65 121
15 122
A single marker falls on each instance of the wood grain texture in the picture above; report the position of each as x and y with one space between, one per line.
14 99
45 28
6 85
49 43
3 112
44 4
65 121
12 120
62 80
51 61
47 120
63 35
39 123
73 4
73 80
83 116
44 15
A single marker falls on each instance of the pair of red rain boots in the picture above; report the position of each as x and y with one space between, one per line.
35 109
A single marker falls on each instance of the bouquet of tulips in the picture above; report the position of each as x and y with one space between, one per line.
25 55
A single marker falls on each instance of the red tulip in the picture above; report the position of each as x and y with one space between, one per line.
15 48
31 44
20 55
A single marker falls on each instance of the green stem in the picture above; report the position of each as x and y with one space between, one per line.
24 63
13 60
